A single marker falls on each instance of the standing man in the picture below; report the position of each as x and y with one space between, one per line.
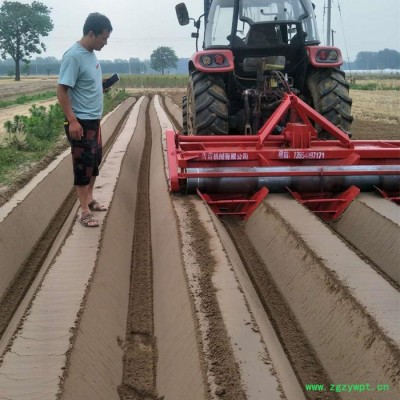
80 94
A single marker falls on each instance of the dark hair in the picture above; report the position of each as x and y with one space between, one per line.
97 23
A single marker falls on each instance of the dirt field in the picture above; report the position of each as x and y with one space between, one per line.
10 89
376 113
166 301
378 105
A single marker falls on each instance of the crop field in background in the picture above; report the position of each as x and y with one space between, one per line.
374 84
375 97
370 81
359 81
153 81
28 99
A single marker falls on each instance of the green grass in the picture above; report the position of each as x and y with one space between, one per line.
374 85
113 98
32 138
12 159
153 81
28 99
360 81
377 77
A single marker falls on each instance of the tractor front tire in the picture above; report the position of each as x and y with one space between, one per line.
207 105
329 93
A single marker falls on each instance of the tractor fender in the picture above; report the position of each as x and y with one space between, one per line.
212 61
324 56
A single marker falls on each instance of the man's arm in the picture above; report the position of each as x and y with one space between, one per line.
75 128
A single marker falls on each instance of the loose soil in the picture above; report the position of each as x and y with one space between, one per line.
371 130
304 361
28 271
139 381
219 363
376 105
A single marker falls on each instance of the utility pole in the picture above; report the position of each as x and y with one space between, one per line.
206 6
328 29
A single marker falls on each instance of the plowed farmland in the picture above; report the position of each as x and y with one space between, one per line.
166 301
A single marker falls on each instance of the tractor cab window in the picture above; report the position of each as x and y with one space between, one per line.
253 12
219 23
252 19
268 11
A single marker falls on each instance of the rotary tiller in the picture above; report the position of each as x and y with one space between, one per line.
233 173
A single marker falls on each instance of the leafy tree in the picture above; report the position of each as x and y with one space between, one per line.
135 65
366 60
26 68
388 59
21 26
378 60
163 58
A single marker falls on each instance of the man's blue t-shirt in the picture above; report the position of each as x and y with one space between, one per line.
81 71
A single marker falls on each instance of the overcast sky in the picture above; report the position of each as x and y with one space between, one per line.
140 26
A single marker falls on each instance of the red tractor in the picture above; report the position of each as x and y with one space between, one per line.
255 51
268 110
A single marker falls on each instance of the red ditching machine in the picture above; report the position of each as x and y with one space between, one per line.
272 116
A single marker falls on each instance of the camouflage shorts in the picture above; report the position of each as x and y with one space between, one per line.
87 152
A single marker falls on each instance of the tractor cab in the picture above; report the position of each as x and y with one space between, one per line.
255 51
259 32
259 23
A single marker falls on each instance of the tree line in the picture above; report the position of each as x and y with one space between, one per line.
369 60
23 25
21 29
51 66
365 60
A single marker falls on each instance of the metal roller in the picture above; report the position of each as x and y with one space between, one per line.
304 179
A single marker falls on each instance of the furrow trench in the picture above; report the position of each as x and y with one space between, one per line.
140 346
168 302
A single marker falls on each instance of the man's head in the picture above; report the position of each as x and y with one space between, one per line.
96 31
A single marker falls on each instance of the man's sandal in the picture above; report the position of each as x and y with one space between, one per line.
88 221
94 205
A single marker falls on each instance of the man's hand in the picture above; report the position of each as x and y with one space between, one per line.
75 130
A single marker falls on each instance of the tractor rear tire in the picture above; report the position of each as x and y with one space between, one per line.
329 92
207 105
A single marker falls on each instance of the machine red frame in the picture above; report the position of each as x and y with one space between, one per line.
313 52
297 145
227 66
